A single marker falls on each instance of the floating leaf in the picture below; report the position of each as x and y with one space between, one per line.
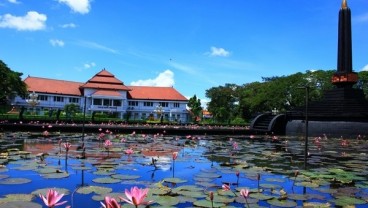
106 180
44 191
206 203
14 181
94 189
174 180
55 175
166 200
346 201
260 196
20 204
125 177
316 205
282 203
17 197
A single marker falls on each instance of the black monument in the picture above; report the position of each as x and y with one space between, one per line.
343 111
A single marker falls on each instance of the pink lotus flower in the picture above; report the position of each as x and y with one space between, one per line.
226 187
244 193
129 151
67 146
45 133
107 144
110 203
174 155
136 196
52 198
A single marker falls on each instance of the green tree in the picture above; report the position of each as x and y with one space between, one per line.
363 82
194 104
11 84
224 101
71 109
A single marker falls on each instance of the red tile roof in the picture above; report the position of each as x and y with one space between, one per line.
107 93
105 80
155 93
106 85
53 86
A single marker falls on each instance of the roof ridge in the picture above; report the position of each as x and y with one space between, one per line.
52 79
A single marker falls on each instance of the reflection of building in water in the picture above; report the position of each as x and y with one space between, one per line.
105 93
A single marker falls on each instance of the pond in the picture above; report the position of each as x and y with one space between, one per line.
271 168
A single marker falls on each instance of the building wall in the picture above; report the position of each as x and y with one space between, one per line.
141 109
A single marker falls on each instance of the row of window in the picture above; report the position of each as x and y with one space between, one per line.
150 104
106 102
58 99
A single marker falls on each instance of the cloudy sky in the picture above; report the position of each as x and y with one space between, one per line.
192 45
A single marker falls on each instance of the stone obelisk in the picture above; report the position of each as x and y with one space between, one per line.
344 76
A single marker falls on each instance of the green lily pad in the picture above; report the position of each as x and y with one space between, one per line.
44 191
282 203
346 201
14 181
16 197
194 194
125 177
174 180
166 200
106 180
260 196
94 189
316 205
206 203
55 175
20 204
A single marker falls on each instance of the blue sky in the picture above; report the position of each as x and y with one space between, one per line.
192 45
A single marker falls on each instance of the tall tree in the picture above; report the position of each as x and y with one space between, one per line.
11 84
223 102
195 106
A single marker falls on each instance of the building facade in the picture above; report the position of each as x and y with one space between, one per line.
105 93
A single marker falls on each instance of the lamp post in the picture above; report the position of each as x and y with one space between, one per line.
84 117
33 100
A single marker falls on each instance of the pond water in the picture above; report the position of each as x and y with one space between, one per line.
270 167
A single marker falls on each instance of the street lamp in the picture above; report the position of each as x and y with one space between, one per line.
33 100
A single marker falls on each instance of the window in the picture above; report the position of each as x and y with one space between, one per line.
117 103
73 100
42 97
164 104
133 103
176 105
97 102
106 102
149 104
58 99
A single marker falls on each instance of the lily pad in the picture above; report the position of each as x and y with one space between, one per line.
125 177
17 197
282 203
15 181
20 204
106 180
166 200
94 189
174 180
206 203
260 196
346 201
44 191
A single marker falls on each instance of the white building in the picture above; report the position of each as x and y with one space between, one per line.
105 93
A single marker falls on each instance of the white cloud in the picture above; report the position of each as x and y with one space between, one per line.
56 42
14 1
362 17
97 46
79 6
164 79
69 25
365 68
32 21
89 65
219 52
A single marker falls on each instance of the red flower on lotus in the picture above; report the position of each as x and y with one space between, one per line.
136 196
110 203
52 198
